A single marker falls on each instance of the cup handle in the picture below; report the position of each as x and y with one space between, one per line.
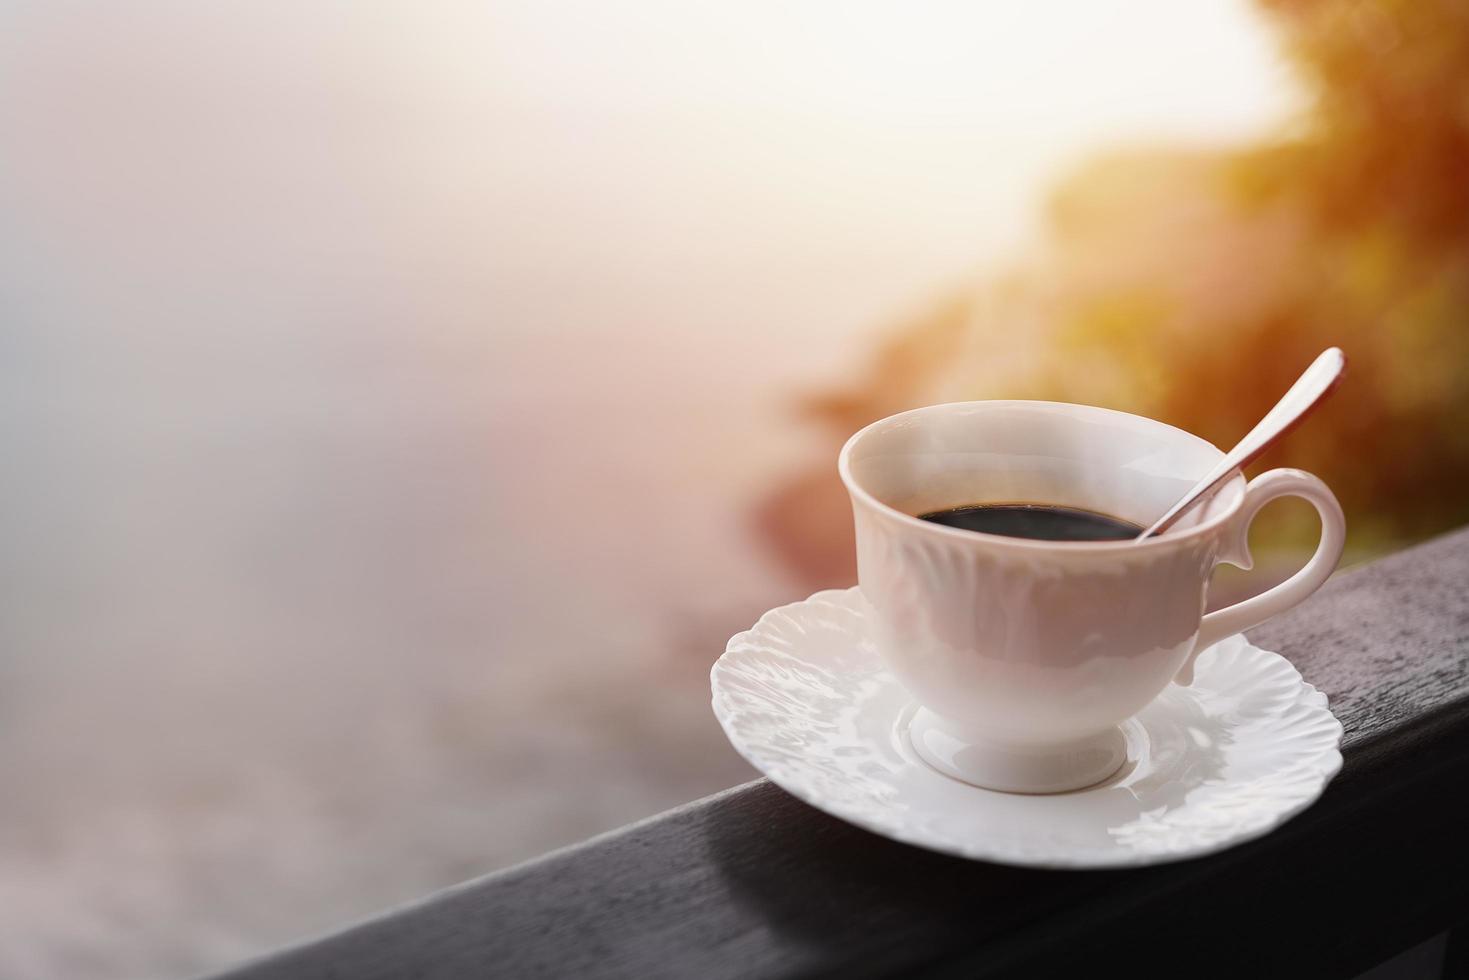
1236 550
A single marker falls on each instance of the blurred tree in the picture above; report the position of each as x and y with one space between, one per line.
1193 286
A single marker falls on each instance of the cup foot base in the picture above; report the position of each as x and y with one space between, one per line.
1056 768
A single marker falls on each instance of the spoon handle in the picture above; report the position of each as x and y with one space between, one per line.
1304 395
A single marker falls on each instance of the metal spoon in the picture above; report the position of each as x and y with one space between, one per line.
1312 386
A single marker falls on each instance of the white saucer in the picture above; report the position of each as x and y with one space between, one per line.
804 697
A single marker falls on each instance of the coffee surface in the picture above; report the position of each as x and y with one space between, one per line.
1042 522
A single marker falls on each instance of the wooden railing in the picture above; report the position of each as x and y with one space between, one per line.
752 883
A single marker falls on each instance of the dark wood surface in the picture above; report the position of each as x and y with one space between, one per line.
753 883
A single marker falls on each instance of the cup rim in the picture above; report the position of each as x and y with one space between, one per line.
1166 539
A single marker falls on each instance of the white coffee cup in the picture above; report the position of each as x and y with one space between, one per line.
1025 655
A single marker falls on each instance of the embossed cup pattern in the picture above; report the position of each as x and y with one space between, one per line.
1025 655
1026 647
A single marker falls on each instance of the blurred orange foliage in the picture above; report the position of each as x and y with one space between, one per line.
1193 286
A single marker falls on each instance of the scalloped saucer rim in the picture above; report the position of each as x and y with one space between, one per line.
803 696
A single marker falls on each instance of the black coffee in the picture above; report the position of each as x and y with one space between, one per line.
1040 521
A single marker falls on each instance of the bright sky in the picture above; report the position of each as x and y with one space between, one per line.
818 166
871 151
1116 63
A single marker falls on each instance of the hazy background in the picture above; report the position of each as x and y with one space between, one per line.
401 403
